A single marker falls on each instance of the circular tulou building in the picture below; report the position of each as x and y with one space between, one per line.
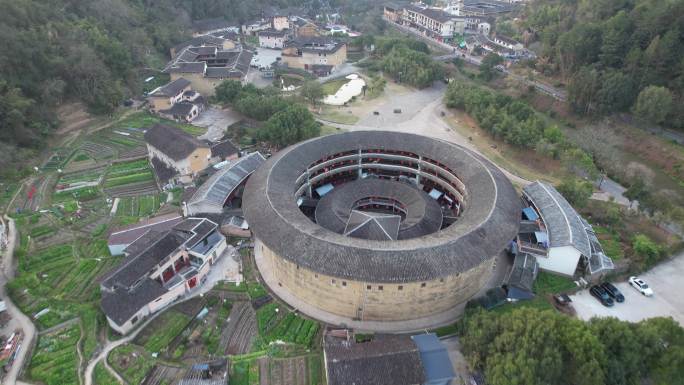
377 228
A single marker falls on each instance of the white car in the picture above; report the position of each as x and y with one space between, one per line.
641 286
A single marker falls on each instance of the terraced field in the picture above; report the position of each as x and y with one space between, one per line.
55 359
275 326
138 206
130 179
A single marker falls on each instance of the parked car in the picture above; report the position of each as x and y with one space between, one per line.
640 286
602 295
613 292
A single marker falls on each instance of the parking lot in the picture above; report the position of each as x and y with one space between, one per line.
667 284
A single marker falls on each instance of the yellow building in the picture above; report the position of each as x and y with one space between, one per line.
314 54
177 150
166 96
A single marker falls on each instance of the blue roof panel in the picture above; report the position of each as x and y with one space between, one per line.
435 358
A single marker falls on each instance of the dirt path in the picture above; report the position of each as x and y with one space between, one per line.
24 322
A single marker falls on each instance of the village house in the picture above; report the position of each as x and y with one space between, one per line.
120 238
222 40
319 55
508 43
432 22
272 38
177 150
166 96
303 28
163 268
207 66
421 359
557 236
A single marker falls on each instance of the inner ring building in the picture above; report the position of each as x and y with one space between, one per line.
379 228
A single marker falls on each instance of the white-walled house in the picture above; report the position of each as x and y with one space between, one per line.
272 39
163 267
561 240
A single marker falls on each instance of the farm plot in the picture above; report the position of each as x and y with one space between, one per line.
294 371
128 172
132 362
241 330
97 151
287 328
139 206
81 194
245 372
54 278
55 359
157 336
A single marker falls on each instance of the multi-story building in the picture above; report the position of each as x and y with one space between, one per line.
160 268
272 38
433 22
319 55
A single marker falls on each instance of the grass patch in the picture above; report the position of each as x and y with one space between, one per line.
337 116
102 376
330 87
548 283
329 130
610 241
290 328
133 367
81 194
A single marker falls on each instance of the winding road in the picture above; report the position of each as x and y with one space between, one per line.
23 322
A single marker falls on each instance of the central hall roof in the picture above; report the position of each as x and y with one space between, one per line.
172 141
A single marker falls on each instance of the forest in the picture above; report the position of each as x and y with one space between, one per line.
614 55
530 346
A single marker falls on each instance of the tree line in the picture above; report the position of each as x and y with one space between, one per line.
615 55
517 123
285 121
527 346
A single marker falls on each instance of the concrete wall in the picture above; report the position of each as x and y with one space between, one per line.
383 301
561 260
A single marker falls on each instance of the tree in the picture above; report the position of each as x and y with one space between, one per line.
577 192
645 248
291 125
654 104
228 90
312 91
487 67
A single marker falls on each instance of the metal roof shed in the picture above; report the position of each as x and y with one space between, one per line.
435 358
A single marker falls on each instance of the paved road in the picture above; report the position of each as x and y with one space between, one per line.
664 279
22 320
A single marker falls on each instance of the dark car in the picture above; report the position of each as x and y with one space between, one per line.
613 292
602 295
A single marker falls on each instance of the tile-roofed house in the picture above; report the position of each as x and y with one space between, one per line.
167 95
207 66
162 267
120 238
224 150
182 112
565 238
308 52
520 280
221 187
221 40
178 150
385 360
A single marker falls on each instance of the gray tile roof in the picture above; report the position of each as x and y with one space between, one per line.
563 224
187 68
171 89
172 141
128 287
386 360
486 226
524 272
223 149
179 109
